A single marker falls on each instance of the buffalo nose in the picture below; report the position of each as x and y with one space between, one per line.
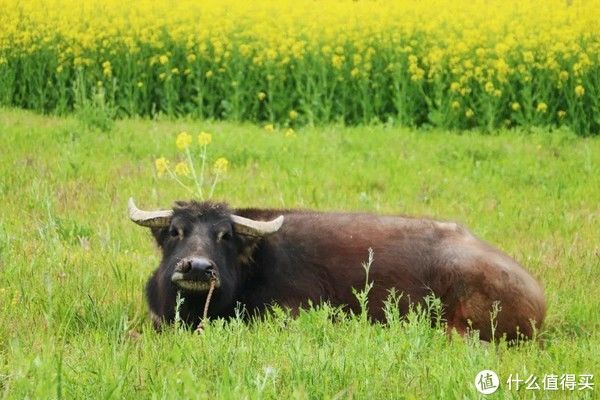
197 265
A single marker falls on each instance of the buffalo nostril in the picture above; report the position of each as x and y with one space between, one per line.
184 266
210 271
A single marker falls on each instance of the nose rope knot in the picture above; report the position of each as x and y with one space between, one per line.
213 282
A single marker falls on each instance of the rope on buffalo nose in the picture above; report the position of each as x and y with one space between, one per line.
204 321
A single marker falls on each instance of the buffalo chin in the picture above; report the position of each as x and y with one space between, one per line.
192 285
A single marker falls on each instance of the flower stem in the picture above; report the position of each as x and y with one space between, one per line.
198 184
203 156
186 187
212 188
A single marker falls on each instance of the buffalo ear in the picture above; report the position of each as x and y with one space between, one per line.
250 232
160 235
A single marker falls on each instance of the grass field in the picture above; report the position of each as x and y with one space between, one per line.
73 323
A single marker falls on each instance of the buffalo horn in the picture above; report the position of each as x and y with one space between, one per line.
250 227
150 219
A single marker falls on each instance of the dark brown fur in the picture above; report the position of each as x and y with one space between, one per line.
318 257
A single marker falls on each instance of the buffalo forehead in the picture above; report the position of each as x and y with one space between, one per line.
201 210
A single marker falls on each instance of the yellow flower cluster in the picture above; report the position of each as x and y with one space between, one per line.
204 139
186 168
371 58
183 140
182 168
221 165
161 164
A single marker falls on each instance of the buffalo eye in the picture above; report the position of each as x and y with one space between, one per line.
223 235
176 232
224 232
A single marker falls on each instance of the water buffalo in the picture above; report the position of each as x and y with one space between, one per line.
260 257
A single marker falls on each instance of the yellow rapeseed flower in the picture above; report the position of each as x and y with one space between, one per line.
494 47
161 165
293 115
107 69
528 56
515 106
561 114
269 127
469 113
221 165
455 105
337 61
289 133
417 75
182 169
542 107
204 138
183 141
563 75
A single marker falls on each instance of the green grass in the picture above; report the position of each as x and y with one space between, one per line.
73 322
